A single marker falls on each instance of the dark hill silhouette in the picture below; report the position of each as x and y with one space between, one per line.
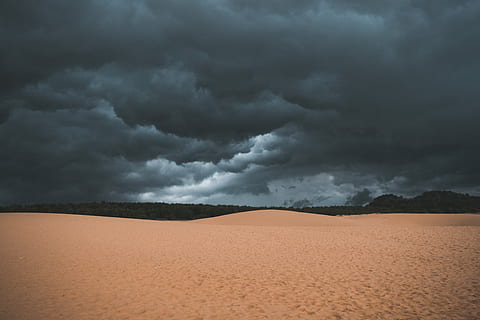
387 201
431 201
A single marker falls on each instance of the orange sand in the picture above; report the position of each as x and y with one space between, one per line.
256 265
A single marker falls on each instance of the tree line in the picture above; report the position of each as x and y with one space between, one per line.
428 202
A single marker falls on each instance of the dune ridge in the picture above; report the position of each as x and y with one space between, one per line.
295 218
276 218
242 266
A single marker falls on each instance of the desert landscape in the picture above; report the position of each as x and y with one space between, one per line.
253 265
239 160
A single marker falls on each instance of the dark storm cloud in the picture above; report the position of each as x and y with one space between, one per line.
226 101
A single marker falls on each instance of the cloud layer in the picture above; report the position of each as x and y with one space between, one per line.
242 102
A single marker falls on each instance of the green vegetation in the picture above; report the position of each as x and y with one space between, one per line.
433 201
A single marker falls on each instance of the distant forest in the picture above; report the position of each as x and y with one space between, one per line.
428 202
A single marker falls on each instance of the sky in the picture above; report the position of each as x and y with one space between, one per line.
263 103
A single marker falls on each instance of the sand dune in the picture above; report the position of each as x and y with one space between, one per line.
277 218
257 265
422 219
294 218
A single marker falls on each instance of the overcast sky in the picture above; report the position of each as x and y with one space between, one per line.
238 101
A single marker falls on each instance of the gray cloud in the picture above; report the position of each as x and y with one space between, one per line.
360 198
224 101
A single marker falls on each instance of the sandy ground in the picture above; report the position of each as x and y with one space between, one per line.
257 265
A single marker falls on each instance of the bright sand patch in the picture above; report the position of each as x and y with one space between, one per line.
262 266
